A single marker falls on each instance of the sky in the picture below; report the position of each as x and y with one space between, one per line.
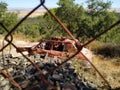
24 4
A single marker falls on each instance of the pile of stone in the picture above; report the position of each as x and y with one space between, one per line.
27 76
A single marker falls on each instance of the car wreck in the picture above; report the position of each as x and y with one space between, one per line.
56 46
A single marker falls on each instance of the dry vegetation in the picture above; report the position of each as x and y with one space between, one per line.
22 13
109 67
17 40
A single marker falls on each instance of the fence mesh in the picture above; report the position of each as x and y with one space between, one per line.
9 39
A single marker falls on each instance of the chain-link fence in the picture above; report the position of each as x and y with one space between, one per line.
9 39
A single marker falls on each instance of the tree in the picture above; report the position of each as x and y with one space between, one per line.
9 19
82 23
30 28
49 27
86 23
96 7
3 8
68 12
100 15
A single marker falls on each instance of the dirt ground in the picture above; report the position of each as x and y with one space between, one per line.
109 68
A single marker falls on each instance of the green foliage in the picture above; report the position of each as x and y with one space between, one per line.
7 18
30 28
109 50
112 36
49 27
3 8
10 19
82 23
68 13
98 6
101 17
86 24
118 15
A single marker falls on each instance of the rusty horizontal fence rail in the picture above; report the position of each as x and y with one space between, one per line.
78 45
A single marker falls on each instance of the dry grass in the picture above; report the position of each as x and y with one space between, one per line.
22 13
108 69
110 50
18 39
1 36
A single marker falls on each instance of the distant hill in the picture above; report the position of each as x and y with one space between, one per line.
22 12
117 10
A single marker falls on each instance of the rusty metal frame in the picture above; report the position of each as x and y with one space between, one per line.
78 45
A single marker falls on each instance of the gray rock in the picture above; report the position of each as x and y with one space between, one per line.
25 83
69 86
6 87
92 85
19 79
27 75
4 82
56 77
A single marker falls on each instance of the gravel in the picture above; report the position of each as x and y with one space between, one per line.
64 77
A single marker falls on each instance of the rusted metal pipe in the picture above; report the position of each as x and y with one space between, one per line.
36 66
11 37
10 78
96 70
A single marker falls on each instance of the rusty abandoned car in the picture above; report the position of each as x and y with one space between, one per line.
56 46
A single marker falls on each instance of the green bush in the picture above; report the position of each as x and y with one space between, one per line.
109 50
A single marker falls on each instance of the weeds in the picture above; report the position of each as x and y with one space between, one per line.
108 50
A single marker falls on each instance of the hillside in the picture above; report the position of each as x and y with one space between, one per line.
22 12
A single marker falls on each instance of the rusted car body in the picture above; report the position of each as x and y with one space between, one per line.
56 46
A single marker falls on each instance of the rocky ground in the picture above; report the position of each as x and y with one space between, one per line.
67 76
64 78
29 78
